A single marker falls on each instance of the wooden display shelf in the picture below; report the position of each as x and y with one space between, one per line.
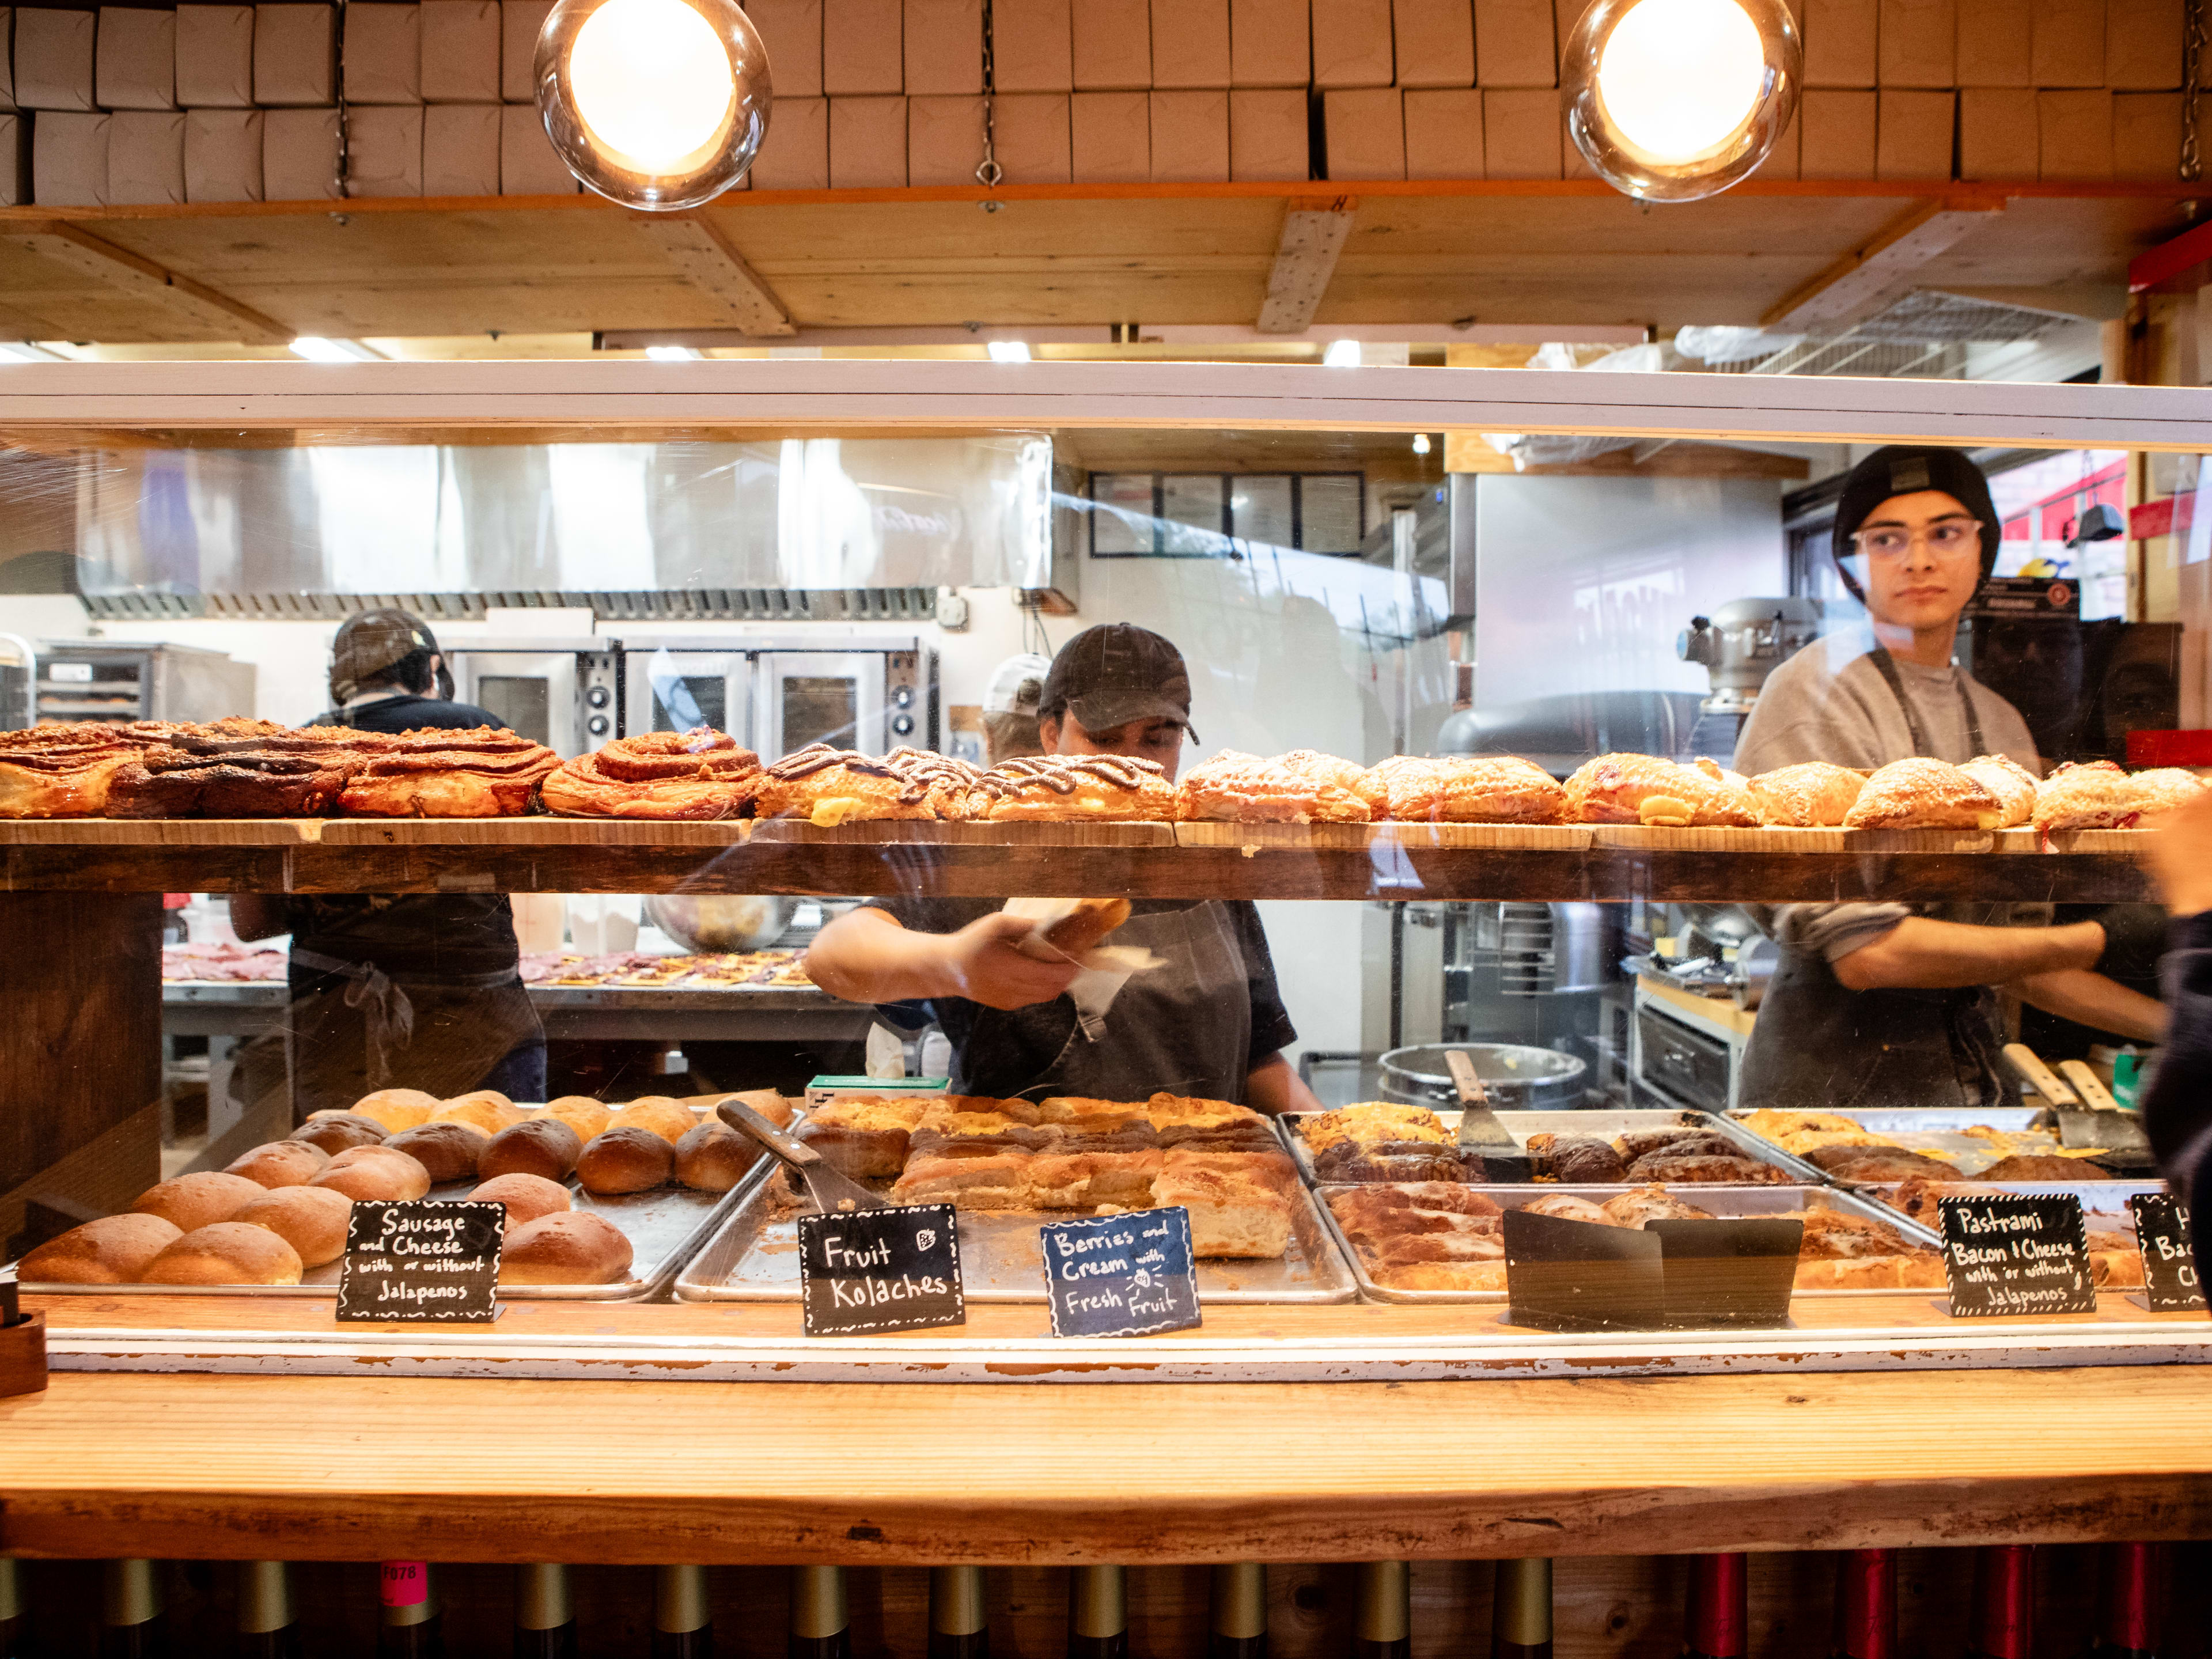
538 855
380 1463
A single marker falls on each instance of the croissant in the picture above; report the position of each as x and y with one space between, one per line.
1813 795
1642 789
1923 794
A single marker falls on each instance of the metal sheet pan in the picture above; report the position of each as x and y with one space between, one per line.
1941 1130
2107 1198
1726 1201
1603 1124
754 1258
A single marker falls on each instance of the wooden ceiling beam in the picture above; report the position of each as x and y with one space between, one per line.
710 264
188 301
1858 284
1305 260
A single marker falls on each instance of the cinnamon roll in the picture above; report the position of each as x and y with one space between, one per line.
702 774
64 771
482 773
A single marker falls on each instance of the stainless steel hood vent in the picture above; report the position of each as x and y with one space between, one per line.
709 604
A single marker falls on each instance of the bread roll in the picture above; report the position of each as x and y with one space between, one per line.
281 1163
626 1160
483 1115
669 1119
581 1113
310 1219
1082 928
192 1201
525 1197
375 1172
339 1132
397 1108
227 1253
538 1145
113 1250
777 1108
714 1157
449 1150
573 1247
503 1111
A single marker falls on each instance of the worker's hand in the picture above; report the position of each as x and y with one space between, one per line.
2179 852
987 968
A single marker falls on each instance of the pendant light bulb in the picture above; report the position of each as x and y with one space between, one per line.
1675 99
655 104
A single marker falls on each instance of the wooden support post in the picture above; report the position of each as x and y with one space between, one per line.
1305 258
710 263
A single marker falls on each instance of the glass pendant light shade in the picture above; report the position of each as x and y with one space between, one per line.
1675 99
655 104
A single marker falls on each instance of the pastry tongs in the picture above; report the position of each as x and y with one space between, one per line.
830 1190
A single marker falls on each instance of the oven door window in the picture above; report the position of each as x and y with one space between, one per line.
681 701
523 702
820 708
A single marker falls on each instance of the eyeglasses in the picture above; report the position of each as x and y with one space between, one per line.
1947 539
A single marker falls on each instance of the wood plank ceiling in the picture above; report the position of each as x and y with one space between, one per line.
1547 258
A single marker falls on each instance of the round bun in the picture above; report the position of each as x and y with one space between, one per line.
201 1199
281 1163
626 1160
228 1253
397 1108
525 1196
375 1172
489 1112
581 1113
779 1109
310 1219
669 1119
537 1145
113 1250
448 1150
572 1247
714 1157
339 1132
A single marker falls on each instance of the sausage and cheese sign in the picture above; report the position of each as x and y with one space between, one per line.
424 1261
1121 1275
895 1269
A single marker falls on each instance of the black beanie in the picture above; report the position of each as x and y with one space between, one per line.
1904 470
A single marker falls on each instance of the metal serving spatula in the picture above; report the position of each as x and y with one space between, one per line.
830 1190
1479 1131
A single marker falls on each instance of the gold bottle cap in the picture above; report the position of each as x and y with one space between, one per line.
1385 1601
1521 1607
1240 1600
956 1600
679 1599
130 1593
1098 1600
11 1589
818 1602
541 1596
264 1596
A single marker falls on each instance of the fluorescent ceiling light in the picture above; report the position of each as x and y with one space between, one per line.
1341 354
317 350
672 354
1008 351
1421 443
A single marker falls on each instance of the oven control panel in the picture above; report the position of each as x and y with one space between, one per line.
598 690
910 698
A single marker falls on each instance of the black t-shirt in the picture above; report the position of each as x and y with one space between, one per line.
430 936
2134 939
1001 1053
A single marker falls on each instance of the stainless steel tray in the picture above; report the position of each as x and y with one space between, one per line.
1939 1130
1603 1124
2108 1199
754 1258
1725 1201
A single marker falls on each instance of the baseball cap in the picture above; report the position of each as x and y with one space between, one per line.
1016 684
1905 470
1114 673
369 644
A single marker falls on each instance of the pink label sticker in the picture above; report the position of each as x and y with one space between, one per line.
404 1583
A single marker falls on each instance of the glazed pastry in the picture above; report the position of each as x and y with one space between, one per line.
1729 1169
1641 789
1056 788
2165 787
1581 1160
1480 789
2013 784
1812 796
1243 789
1232 1214
483 774
827 787
1343 774
1633 1209
64 771
2043 1166
702 774
1567 1208
244 769
1923 794
2099 795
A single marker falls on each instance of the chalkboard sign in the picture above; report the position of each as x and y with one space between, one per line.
422 1262
2171 1281
880 1270
2017 1253
1121 1275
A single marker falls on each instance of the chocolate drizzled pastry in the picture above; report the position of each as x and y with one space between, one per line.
244 769
1581 1160
829 786
1060 788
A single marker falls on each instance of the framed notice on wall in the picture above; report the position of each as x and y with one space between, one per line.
1225 515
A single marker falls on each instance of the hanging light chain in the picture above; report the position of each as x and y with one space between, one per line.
988 171
340 181
2192 61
